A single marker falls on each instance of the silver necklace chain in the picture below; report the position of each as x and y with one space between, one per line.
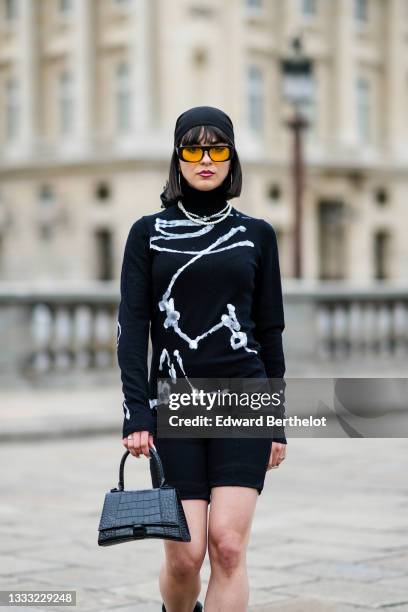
207 219
216 214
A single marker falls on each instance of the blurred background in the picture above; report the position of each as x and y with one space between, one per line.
89 94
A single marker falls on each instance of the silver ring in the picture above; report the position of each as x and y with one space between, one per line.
274 467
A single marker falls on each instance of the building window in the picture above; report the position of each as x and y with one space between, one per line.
12 109
104 254
123 98
332 254
66 103
382 254
46 201
381 196
65 6
200 57
274 194
255 99
46 194
253 4
11 10
201 11
363 109
2 243
103 192
361 10
309 7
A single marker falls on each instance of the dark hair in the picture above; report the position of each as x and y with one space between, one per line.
172 192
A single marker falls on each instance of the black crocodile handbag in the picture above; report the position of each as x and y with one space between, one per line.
143 513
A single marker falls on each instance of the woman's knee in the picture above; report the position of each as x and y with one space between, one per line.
186 563
226 550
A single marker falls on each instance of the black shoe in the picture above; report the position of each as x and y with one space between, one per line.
197 608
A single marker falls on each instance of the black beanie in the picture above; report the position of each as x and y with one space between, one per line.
203 115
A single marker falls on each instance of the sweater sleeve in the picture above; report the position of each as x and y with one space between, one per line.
269 315
133 330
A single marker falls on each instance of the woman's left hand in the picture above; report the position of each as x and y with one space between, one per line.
278 454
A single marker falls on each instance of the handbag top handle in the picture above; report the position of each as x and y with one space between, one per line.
158 466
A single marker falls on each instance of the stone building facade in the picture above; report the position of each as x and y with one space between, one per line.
90 91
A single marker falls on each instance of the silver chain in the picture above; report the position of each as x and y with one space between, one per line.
206 219
216 214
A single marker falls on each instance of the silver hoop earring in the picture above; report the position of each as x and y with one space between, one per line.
179 180
231 179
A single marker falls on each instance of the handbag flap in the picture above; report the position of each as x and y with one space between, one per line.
143 507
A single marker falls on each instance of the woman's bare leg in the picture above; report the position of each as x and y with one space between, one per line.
230 518
179 579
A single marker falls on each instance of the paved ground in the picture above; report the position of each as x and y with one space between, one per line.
330 531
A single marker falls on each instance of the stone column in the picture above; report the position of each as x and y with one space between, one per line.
28 75
143 65
394 90
344 96
84 71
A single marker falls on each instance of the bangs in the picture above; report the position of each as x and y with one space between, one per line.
211 134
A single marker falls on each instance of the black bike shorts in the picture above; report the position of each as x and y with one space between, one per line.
195 465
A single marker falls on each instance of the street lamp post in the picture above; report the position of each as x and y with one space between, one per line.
298 90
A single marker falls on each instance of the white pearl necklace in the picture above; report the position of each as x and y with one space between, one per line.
206 219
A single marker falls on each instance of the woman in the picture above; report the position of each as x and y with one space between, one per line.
207 279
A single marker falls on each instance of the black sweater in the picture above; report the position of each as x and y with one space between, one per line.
211 295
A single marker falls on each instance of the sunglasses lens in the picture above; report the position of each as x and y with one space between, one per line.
219 153
192 154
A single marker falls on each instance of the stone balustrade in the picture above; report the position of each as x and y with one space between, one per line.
49 330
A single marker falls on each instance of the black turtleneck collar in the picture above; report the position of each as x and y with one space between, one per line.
203 202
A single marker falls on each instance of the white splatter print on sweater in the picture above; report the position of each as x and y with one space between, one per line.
211 297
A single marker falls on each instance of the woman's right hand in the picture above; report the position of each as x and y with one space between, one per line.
139 443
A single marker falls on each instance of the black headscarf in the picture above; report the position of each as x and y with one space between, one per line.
199 115
203 115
